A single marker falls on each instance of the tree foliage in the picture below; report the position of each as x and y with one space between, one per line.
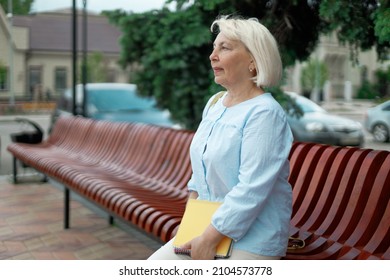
3 75
170 49
382 23
19 7
96 68
313 74
362 24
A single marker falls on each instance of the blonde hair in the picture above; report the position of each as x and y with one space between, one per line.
260 43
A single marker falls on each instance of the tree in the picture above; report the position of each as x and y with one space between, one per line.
171 48
96 69
3 75
19 7
313 75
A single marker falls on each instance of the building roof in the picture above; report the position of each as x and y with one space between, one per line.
52 31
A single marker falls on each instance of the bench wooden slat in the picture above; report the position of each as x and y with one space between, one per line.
329 191
315 187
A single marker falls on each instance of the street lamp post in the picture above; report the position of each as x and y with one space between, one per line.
74 56
11 57
84 77
76 109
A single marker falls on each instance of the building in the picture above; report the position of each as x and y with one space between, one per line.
39 49
344 76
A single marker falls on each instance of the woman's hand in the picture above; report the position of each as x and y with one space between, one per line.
204 247
200 251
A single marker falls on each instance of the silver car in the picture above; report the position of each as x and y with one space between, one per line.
377 121
318 126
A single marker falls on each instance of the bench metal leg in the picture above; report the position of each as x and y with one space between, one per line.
66 208
45 179
15 170
111 220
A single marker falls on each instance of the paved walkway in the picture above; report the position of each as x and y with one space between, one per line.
31 227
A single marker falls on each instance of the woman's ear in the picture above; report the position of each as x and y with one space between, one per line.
252 67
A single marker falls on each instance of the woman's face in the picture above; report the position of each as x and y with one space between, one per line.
231 61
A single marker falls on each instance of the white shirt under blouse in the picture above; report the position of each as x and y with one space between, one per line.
239 156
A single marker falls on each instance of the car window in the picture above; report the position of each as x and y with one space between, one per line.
108 100
386 107
308 106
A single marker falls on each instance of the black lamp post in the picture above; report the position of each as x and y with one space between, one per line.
76 109
74 57
84 74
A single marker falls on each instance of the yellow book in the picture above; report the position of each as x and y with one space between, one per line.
196 218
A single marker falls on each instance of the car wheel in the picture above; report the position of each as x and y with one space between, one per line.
380 133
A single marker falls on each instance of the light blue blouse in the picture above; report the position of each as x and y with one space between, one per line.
239 156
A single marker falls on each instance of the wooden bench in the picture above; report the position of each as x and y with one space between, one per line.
136 172
139 172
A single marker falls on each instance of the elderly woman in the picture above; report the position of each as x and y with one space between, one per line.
239 154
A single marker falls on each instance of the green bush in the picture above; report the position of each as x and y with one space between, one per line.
367 91
377 90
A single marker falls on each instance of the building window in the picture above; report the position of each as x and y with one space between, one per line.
3 78
60 78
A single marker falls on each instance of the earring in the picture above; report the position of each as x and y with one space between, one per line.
251 69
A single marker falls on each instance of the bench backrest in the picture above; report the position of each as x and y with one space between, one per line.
341 194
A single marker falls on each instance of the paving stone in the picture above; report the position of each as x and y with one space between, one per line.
31 228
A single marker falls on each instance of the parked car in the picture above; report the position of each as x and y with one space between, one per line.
319 126
377 121
113 102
